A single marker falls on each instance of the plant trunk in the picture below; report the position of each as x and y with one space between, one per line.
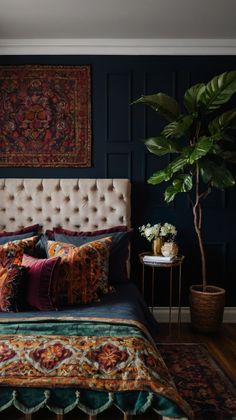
197 216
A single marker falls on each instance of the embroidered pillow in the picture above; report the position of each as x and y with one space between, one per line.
10 253
83 271
11 280
119 253
41 282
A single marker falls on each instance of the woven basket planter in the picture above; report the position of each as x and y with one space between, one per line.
206 308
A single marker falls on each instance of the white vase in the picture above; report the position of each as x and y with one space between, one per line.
169 249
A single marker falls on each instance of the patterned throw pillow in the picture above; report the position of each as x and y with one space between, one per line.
83 271
119 254
11 279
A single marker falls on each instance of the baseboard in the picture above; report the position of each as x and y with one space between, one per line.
162 314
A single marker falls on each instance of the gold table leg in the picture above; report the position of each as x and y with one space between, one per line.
152 288
170 301
179 303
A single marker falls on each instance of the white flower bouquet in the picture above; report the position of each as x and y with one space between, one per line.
166 231
150 232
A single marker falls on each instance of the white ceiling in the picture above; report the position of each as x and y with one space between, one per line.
109 19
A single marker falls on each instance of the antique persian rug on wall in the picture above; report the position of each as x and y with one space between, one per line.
45 116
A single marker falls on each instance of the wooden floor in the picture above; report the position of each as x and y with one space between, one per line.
222 346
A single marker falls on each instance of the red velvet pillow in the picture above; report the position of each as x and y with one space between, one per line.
41 285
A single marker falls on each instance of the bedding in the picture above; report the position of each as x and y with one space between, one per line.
112 339
90 355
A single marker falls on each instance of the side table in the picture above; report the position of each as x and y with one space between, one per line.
176 263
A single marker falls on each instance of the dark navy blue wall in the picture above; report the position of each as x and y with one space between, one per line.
118 152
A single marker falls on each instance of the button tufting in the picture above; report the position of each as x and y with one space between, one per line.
29 219
67 198
48 198
67 219
11 197
29 198
77 226
86 219
57 209
104 219
12 219
3 209
121 219
48 219
95 226
112 209
76 188
76 210
39 209
20 187
20 208
94 209
85 198
58 187
102 198
94 187
40 187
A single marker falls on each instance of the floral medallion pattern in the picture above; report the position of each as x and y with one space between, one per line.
109 364
45 112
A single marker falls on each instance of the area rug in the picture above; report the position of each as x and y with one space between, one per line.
45 116
200 381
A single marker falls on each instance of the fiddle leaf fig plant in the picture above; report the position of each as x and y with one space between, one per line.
201 143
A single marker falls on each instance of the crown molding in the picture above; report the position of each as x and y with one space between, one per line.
118 46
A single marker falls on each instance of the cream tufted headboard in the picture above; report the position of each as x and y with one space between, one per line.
85 204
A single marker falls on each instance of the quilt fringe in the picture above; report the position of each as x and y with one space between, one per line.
14 401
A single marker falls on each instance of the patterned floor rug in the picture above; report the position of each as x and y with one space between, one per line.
200 381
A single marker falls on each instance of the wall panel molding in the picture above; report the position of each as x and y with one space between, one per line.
118 46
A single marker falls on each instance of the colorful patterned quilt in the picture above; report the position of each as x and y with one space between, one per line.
111 357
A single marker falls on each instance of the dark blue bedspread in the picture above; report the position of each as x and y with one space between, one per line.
125 303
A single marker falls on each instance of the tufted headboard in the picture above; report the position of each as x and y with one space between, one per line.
85 204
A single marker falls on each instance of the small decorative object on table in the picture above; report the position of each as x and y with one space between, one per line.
168 233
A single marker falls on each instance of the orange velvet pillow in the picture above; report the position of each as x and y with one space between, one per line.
82 271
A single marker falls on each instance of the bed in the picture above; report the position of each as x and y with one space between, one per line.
88 356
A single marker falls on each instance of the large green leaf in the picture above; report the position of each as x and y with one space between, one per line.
161 146
165 174
223 121
182 183
162 103
170 193
192 97
159 176
218 91
178 128
201 148
216 175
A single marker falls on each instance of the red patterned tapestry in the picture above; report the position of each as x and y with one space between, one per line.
45 116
